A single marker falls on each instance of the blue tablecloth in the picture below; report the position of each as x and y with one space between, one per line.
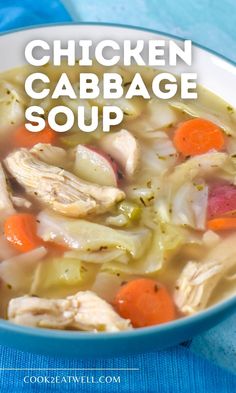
178 370
211 23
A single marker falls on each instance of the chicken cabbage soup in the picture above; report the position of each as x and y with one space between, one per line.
119 230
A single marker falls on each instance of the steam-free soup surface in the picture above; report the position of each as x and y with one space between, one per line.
120 230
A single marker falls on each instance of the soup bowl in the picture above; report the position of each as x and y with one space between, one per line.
215 73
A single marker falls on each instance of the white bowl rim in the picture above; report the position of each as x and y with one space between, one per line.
119 25
227 304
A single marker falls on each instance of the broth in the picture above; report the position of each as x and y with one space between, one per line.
143 215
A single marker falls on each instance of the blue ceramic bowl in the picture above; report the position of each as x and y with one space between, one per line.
211 69
92 345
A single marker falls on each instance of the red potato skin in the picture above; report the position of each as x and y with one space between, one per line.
111 161
221 200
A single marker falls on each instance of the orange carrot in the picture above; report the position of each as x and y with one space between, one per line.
25 138
198 136
56 248
21 231
145 302
222 223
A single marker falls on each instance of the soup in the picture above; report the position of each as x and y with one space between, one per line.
119 230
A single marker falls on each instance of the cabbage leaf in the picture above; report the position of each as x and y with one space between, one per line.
167 240
12 107
183 197
89 236
208 106
56 272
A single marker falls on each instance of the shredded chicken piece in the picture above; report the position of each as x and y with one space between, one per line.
59 189
82 311
194 286
6 207
198 279
50 154
124 148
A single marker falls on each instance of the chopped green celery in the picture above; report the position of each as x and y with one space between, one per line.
56 272
130 209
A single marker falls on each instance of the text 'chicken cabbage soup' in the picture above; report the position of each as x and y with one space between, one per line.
117 230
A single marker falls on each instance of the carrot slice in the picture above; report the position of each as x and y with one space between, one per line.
198 136
56 248
21 231
25 138
222 223
145 302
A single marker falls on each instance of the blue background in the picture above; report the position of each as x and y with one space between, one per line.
210 23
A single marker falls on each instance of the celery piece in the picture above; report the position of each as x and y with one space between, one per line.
130 210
